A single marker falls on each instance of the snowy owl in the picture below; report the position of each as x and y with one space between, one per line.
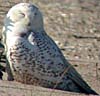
33 56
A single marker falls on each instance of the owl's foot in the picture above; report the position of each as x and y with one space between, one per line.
10 78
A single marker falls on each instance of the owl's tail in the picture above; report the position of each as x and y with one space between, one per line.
83 86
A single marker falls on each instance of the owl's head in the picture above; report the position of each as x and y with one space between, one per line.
24 16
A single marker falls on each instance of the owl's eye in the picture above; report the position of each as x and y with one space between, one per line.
22 15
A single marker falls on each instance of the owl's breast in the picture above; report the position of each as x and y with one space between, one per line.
38 58
21 56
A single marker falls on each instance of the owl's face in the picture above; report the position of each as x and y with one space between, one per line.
24 17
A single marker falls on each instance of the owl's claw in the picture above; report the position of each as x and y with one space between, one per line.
10 78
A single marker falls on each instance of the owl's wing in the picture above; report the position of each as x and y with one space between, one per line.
8 69
72 73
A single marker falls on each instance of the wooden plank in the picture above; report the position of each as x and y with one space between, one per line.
17 89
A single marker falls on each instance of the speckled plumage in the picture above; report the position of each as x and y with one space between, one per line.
33 56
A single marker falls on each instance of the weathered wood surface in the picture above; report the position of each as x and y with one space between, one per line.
16 89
